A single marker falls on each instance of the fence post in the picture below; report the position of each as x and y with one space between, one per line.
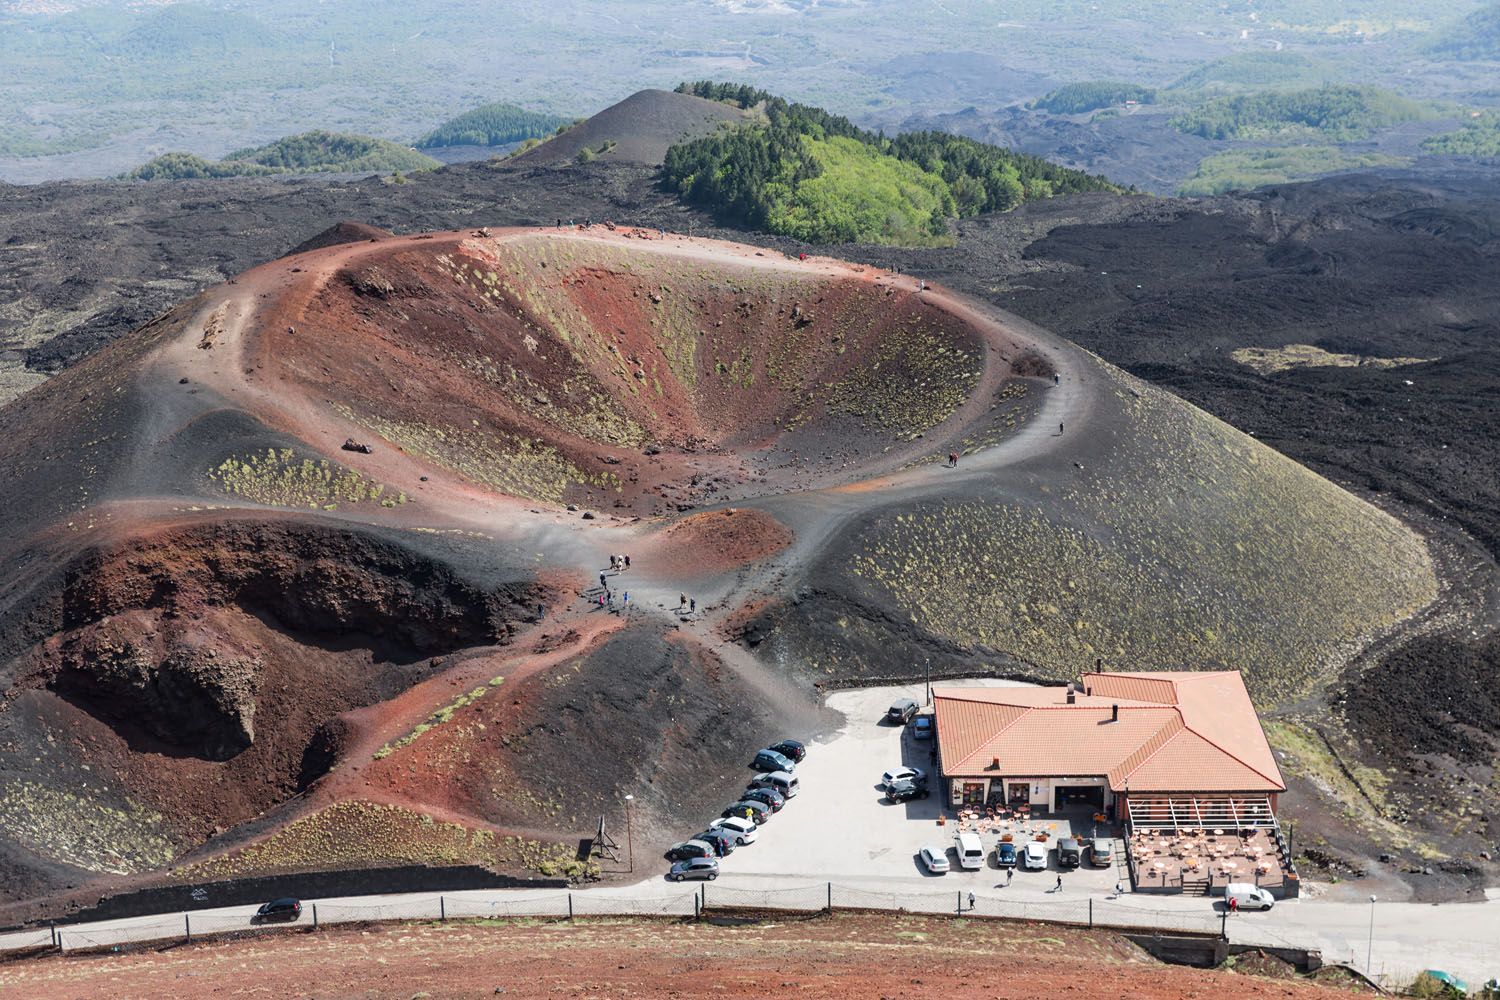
1091 912
315 916
960 910
697 913
570 906
830 897
52 925
187 927
442 908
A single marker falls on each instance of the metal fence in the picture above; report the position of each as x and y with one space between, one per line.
672 901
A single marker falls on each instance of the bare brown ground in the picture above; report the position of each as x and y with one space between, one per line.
846 955
718 541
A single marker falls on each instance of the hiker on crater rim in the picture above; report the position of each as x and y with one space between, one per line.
952 459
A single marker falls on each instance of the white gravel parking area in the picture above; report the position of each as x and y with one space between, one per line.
841 825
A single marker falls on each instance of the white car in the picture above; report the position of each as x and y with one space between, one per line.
743 830
897 773
935 860
1034 856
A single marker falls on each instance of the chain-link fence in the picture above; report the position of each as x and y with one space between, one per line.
675 901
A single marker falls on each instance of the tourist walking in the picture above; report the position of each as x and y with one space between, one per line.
952 459
1058 887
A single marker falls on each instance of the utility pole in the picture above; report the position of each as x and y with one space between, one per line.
929 680
629 831
1370 944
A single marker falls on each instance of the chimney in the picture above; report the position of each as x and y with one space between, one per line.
1114 713
1071 695
994 763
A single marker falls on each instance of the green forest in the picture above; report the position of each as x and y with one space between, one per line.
1336 113
1475 37
497 124
1077 98
805 173
308 153
1480 137
1245 169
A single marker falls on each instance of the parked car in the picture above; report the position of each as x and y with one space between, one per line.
1248 897
770 760
898 773
765 795
1034 856
781 781
922 727
279 909
790 748
688 849
1102 853
935 860
704 868
722 841
749 809
901 712
1005 854
742 829
970 850
1069 853
905 790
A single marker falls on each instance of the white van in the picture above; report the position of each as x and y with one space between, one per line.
970 851
1248 897
781 781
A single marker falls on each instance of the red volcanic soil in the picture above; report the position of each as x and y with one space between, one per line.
306 539
714 542
844 955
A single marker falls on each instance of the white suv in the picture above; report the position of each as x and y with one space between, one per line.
742 830
1034 856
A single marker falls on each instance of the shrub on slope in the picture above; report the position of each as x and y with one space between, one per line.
1338 113
308 153
492 125
806 173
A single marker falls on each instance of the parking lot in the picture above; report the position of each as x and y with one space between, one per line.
840 824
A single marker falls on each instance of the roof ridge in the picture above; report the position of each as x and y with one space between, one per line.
1234 756
1181 725
1025 710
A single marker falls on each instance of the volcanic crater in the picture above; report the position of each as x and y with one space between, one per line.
314 570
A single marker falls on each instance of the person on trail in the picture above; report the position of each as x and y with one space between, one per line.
627 562
952 459
1056 379
601 578
1059 884
1119 889
971 901
541 612
601 600
614 562
1234 905
693 606
626 598
1010 873
1059 427
681 601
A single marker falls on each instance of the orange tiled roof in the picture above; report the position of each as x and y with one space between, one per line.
1182 731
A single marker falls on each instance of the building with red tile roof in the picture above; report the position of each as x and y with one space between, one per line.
1158 736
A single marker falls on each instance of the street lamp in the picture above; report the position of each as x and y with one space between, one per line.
629 832
1370 944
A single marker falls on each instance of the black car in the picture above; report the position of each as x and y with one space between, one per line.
279 909
768 796
689 849
901 712
790 748
905 789
1069 853
722 841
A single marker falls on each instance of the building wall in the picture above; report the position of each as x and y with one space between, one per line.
1039 793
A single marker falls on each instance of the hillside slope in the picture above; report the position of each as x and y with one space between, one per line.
640 129
299 559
